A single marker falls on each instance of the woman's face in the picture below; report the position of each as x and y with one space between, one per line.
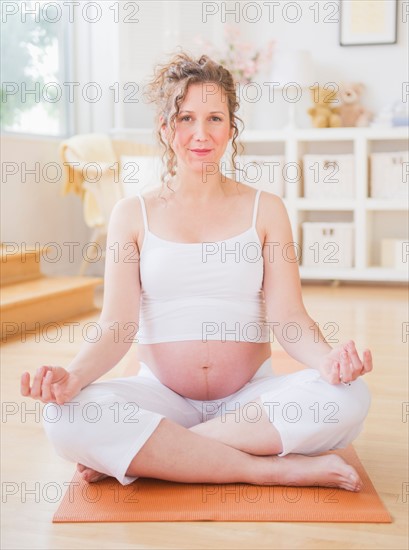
202 127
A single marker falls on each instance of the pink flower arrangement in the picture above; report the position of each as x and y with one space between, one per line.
241 58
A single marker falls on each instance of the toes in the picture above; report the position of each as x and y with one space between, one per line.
348 476
92 479
352 483
91 476
355 479
88 474
348 485
97 477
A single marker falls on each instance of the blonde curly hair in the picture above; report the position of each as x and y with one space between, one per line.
176 76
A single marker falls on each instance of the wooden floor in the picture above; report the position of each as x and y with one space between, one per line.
374 317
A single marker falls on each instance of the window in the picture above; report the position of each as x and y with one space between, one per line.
34 43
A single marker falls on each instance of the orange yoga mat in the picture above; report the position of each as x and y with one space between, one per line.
148 499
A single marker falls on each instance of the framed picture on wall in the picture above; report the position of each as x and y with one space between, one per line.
368 22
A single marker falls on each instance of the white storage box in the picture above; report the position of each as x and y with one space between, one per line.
263 172
328 244
395 253
328 176
389 175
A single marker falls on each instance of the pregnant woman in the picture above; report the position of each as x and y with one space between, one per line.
201 271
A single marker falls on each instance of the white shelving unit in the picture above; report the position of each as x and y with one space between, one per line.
373 219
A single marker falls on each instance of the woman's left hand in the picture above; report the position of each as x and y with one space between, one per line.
343 364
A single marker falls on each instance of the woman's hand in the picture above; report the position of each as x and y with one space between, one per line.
342 364
51 385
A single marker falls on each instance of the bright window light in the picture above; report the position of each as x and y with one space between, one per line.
33 46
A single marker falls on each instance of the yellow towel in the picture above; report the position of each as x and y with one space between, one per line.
86 148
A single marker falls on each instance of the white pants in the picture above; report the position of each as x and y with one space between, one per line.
108 422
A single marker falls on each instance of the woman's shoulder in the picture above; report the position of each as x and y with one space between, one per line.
127 205
265 197
128 212
271 206
134 202
151 193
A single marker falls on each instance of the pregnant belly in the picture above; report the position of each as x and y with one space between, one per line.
204 370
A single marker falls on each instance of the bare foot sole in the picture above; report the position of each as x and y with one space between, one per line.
325 471
90 475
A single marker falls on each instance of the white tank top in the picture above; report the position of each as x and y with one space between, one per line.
202 291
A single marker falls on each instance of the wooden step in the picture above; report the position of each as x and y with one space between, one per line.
30 305
18 264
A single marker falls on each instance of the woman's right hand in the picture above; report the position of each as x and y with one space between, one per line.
51 385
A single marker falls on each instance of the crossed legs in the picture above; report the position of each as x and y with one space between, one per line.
228 452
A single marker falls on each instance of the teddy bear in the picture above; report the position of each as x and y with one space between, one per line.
324 114
351 110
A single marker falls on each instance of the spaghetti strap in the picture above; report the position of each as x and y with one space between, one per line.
253 224
145 218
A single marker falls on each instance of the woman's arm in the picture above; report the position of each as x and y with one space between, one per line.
118 321
294 329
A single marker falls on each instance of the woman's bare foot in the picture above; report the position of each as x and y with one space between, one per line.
90 475
325 471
